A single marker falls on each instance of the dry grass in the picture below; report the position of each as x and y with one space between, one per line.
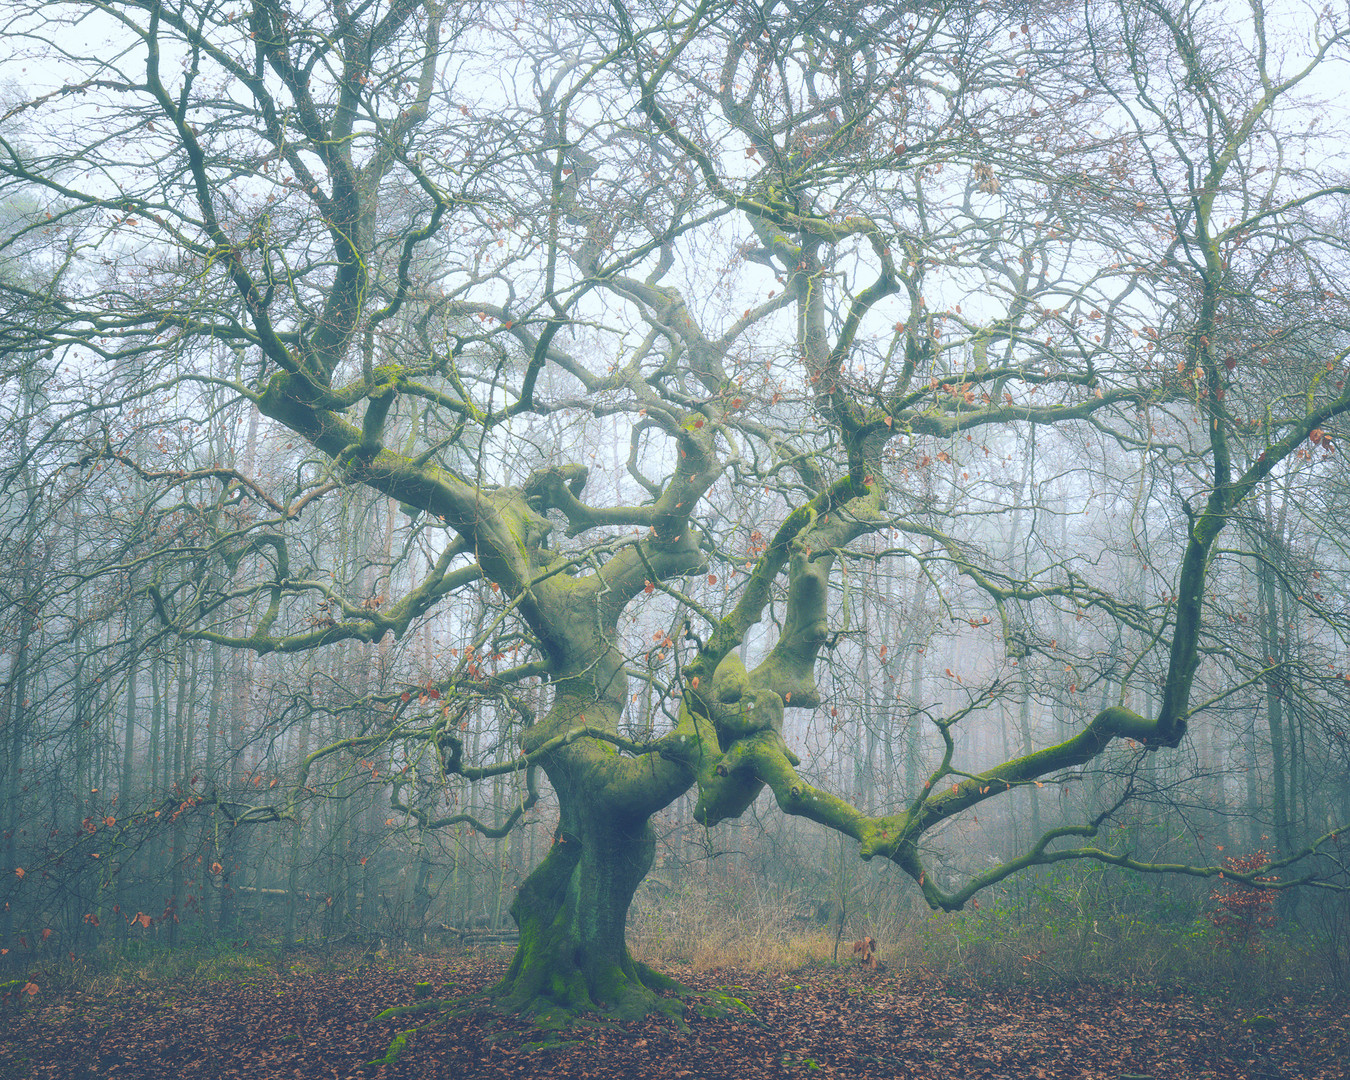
710 934
723 944
753 933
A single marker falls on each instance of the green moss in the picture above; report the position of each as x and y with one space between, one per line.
717 1005
880 836
730 682
396 1047
409 1010
655 980
553 1042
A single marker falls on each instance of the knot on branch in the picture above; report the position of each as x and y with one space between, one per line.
556 487
760 710
452 753
730 681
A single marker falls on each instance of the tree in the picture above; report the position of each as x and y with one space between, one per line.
818 267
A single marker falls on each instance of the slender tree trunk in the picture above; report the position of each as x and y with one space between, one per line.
13 713
156 710
498 788
297 836
1293 727
1253 805
211 782
421 893
185 736
1270 621
125 789
1024 726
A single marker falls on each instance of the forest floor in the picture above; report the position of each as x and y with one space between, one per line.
839 1021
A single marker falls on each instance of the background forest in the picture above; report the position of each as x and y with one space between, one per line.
350 350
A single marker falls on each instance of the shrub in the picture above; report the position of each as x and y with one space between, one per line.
1244 911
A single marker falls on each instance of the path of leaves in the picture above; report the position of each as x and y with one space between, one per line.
829 1022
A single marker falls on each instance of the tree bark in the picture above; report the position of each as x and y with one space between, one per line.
572 912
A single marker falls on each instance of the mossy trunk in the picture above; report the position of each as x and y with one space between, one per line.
572 912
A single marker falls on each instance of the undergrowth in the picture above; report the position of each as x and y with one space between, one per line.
1050 937
1001 943
108 971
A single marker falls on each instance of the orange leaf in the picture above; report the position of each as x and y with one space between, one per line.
19 872
110 821
649 588
693 683
46 933
956 788
30 988
216 868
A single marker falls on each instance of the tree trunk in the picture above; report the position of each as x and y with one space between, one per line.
572 912
212 782
1274 686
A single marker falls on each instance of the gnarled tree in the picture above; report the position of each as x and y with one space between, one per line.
804 260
